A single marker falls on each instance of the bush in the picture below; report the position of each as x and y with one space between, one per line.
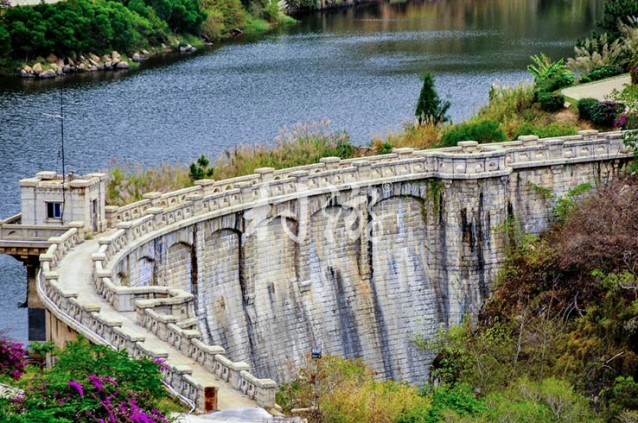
552 84
627 121
545 131
586 107
634 76
89 384
606 113
483 131
12 359
601 72
551 102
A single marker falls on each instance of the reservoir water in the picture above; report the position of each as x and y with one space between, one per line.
359 68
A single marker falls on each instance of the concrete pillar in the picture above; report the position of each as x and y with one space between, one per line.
37 331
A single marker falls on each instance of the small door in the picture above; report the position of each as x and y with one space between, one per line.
94 215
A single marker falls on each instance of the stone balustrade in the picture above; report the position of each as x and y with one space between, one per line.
468 160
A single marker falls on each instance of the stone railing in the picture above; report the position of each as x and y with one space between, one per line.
86 319
468 160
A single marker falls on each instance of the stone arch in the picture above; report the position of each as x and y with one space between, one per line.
220 310
180 266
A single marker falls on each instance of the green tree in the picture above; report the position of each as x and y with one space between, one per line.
429 107
200 169
615 11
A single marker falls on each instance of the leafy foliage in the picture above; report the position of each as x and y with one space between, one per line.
586 107
200 169
12 359
430 108
543 68
551 102
88 384
333 389
483 131
545 131
601 72
606 112
615 12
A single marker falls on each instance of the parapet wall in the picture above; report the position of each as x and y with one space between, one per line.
354 256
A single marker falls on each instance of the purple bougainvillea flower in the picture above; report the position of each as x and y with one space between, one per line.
77 386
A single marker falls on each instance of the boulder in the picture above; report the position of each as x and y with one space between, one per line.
122 65
25 74
28 69
60 70
93 62
52 58
136 57
95 58
48 74
70 61
145 52
81 67
106 58
66 69
37 68
108 65
92 68
116 56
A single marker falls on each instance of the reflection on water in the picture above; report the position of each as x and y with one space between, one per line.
357 67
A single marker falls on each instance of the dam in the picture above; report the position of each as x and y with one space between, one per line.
240 278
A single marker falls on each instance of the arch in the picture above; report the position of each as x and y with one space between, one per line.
146 272
179 266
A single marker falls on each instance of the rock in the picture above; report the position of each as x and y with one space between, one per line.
25 74
122 65
92 62
92 68
108 65
60 71
52 58
95 58
116 56
82 58
70 61
37 68
81 67
54 66
186 49
136 57
66 69
106 58
145 52
28 69
47 74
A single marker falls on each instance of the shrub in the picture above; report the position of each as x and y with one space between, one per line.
12 358
483 131
615 12
91 383
601 72
627 121
551 102
586 107
545 131
634 75
606 112
429 107
552 84
544 68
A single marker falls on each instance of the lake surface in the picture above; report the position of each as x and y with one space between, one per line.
357 67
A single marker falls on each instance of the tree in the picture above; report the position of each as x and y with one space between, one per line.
429 107
200 170
616 11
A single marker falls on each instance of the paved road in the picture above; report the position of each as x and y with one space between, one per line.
598 90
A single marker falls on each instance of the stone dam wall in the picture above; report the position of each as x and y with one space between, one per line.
352 256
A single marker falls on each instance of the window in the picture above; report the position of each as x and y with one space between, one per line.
54 210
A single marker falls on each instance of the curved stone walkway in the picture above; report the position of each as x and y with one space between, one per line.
75 275
599 90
